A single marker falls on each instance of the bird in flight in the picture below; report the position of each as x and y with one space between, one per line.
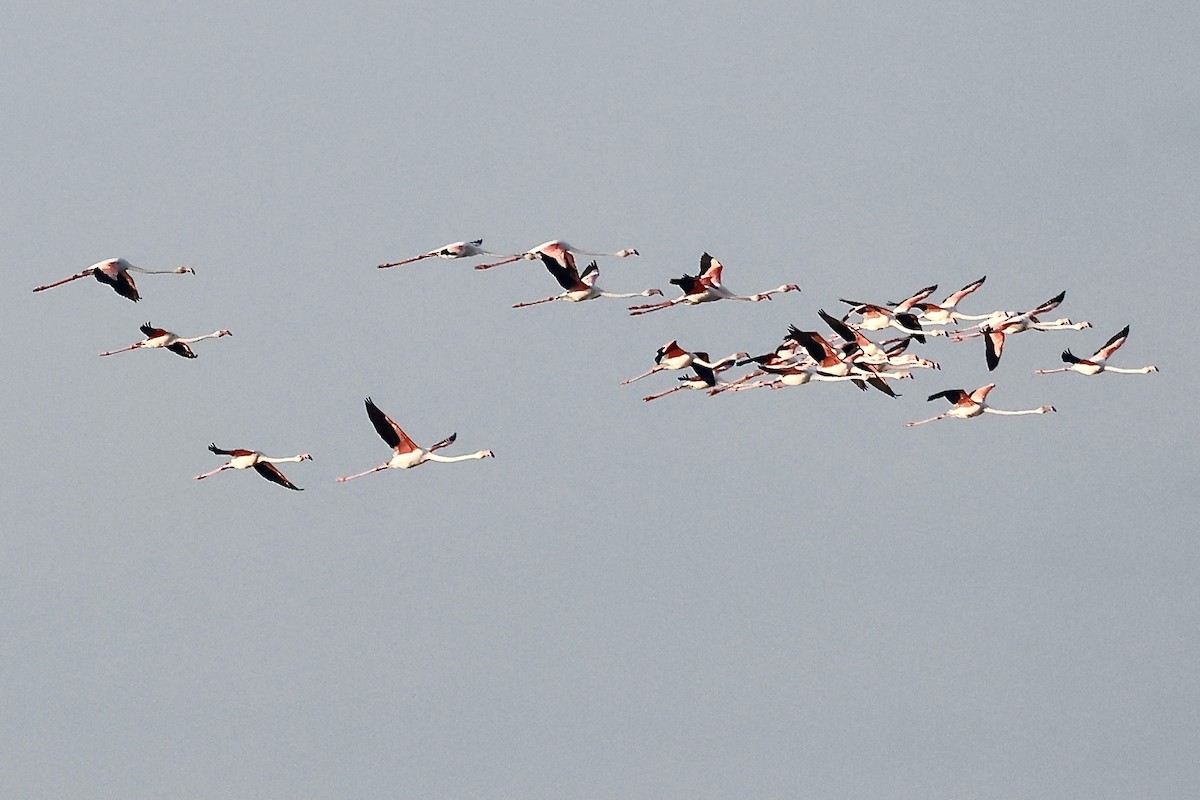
115 273
160 337
405 452
263 465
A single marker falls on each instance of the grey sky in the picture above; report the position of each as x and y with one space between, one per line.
775 594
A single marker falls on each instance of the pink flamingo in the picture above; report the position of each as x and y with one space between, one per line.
263 465
454 250
160 337
576 287
971 405
406 453
559 250
115 272
1097 363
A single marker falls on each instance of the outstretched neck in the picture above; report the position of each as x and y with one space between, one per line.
450 459
301 457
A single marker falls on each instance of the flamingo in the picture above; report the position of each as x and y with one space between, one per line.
863 351
946 312
1097 362
455 250
996 332
115 272
971 405
671 356
263 465
702 378
1018 321
559 250
798 375
576 287
876 318
833 363
407 453
160 337
707 287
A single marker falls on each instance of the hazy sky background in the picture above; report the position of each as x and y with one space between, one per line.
770 594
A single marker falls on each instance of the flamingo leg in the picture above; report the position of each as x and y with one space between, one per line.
650 397
639 377
360 474
536 302
405 261
212 472
83 274
741 387
923 421
122 350
646 309
508 260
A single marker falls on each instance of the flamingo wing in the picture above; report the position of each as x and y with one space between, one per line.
1113 344
839 326
449 440
239 452
566 276
955 396
590 274
272 473
181 349
121 281
1049 305
150 331
690 284
993 347
957 297
1070 358
710 269
389 431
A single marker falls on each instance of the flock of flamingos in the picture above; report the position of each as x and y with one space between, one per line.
804 356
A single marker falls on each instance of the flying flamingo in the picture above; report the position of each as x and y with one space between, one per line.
876 318
972 405
559 250
1096 363
455 250
1018 321
263 465
160 337
706 288
702 378
671 356
800 374
407 453
946 312
115 272
576 287
833 363
996 332
862 351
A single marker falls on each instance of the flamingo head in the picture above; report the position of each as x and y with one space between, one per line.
653 292
224 333
184 271
628 252
304 457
